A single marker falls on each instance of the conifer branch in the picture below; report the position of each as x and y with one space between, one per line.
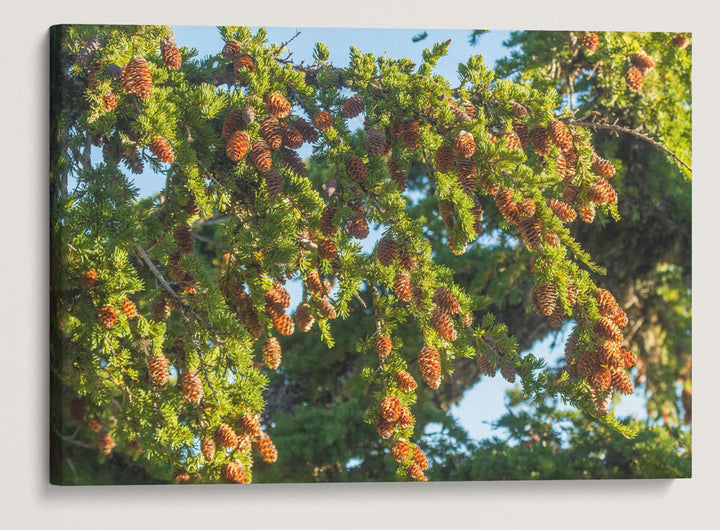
618 128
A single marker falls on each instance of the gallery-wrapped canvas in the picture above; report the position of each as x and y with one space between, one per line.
324 255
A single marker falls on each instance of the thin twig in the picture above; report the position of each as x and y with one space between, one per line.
633 132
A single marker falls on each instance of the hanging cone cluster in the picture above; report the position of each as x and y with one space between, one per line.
327 249
352 107
530 232
405 417
260 155
539 139
681 41
191 387
506 205
277 105
88 279
601 379
207 446
293 162
587 364
430 366
136 78
384 428
603 167
108 316
304 318
272 353
162 150
587 212
562 210
323 121
526 207
292 138
405 381
357 225
233 122
326 309
602 192
184 238
643 61
397 173
158 369
170 53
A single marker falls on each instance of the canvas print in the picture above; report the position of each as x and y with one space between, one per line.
379 255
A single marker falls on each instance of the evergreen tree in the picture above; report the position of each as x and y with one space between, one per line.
173 347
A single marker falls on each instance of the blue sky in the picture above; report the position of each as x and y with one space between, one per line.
485 402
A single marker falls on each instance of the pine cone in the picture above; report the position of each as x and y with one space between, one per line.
356 170
233 472
231 49
401 286
94 424
587 364
562 210
160 309
603 167
560 135
226 437
357 225
162 150
601 379
526 207
485 366
250 424
181 475
519 111
77 411
274 184
384 428
420 459
308 132
304 318
128 309
266 448
88 279
108 316
477 213
539 139
606 302
386 251
570 350
170 53
609 354
401 450
444 159
397 174
271 132
552 239
571 293
410 134
627 358
464 144
293 162
643 61
620 318
233 122
207 446
272 353
430 366
292 138
521 130
405 418
375 142
680 41
277 105
326 309
634 78
621 382
405 381
446 300
415 472
184 238
105 442
136 78
191 386
352 107
243 62
109 101
546 298
513 140
467 175
323 121
607 329
587 212
284 324
383 346
260 155
158 369
327 249
590 41
131 158
530 232
506 206
557 318
315 285
390 408
602 192
86 53
447 212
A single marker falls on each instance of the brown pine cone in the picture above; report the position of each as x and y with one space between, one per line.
601 379
323 121
621 382
420 459
191 386
467 175
415 472
521 130
477 213
105 442
357 225
271 132
559 134
401 286
634 78
401 450
587 364
557 318
87 52
233 472
526 207
397 174
386 251
464 144
390 408
162 150
88 279
587 212
375 142
506 205
293 162
410 134
226 436
405 418
539 139
627 357
513 140
181 475
284 324
609 354
170 53
243 61
277 105
603 167
519 110
136 78
602 192
266 448
681 41
160 309
231 49
250 424
326 309
207 446
383 346
643 61
590 41
447 212
620 318
446 300
128 309
485 366
237 146
292 138
308 132
444 159
356 170
405 381
570 350
184 238
260 155
607 329
530 232
272 353
384 428
606 302
274 184
108 316
327 226
233 122
109 101
94 424
304 318
327 249
158 369
546 297
562 210
352 107
430 366
315 285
